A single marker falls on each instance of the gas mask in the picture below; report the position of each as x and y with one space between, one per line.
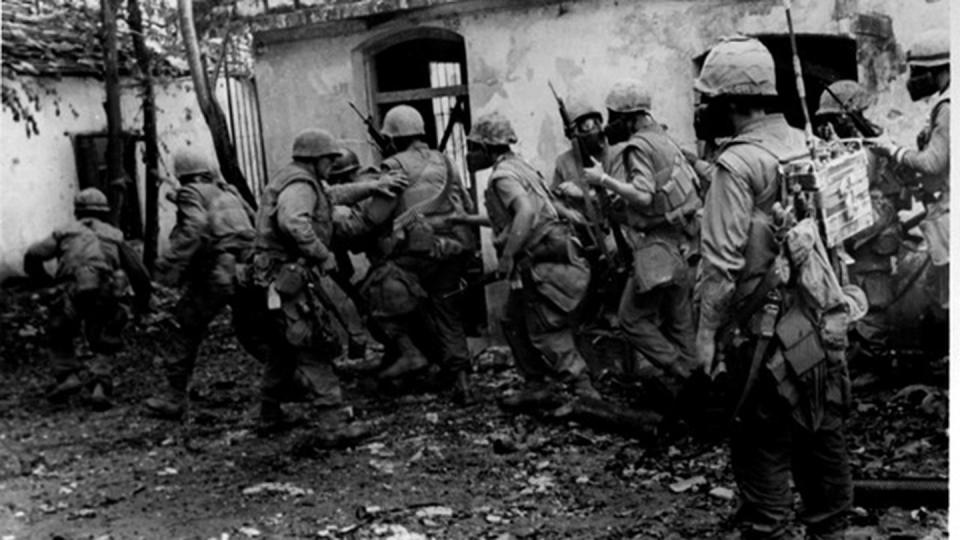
478 157
711 120
590 135
922 84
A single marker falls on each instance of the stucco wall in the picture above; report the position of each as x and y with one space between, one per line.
38 176
581 47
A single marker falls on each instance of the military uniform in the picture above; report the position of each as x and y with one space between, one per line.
551 277
213 233
293 231
94 268
791 417
655 311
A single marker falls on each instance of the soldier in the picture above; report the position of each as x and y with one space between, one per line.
928 168
785 420
349 185
214 231
840 113
94 268
294 228
650 173
424 257
588 127
537 252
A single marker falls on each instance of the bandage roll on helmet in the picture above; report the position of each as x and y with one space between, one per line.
931 49
402 121
628 97
852 96
91 200
190 162
493 129
314 143
738 66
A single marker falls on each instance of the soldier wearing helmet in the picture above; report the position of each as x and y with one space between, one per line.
213 232
291 253
927 169
647 169
789 375
94 268
841 111
538 255
422 258
588 128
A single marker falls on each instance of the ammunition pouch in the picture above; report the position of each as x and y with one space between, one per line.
88 278
392 291
290 281
562 285
657 263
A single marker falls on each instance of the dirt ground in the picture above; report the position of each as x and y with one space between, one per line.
433 470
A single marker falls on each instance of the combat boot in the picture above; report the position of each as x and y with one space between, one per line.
170 404
462 391
411 360
536 393
583 388
65 388
273 419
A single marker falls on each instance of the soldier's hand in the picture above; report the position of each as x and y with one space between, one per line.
505 267
706 346
329 265
882 145
392 184
593 174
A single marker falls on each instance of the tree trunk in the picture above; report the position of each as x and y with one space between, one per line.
116 179
151 156
216 120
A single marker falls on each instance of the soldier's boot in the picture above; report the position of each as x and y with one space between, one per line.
69 385
410 361
273 419
582 387
535 392
102 382
170 404
462 390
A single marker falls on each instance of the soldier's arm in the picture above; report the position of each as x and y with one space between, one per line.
935 157
295 207
724 233
132 265
36 255
637 189
360 219
186 238
513 196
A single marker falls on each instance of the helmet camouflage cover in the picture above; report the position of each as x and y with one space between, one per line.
493 129
628 97
91 200
852 97
931 49
738 65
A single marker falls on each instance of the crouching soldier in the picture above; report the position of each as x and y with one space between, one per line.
538 254
214 231
294 229
94 268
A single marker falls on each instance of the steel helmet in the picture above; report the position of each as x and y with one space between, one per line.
402 121
580 109
628 97
738 66
345 163
91 200
931 49
314 143
187 162
852 96
493 129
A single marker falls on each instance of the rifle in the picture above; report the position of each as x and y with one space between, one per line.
379 140
483 281
858 120
457 113
594 214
